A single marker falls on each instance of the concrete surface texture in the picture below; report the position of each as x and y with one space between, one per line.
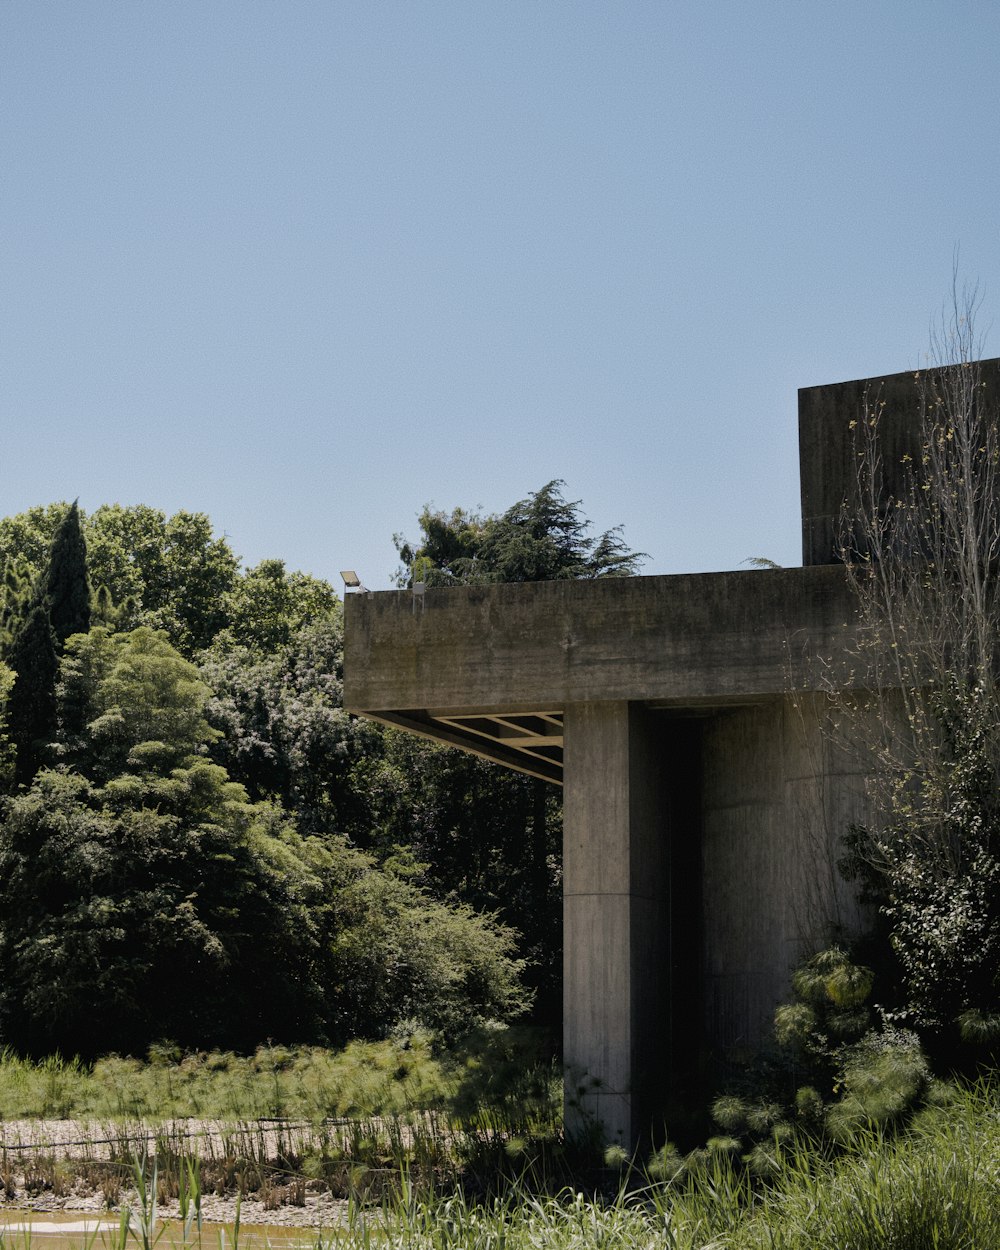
704 803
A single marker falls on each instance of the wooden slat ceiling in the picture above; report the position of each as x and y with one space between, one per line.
537 736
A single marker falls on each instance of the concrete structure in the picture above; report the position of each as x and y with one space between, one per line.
703 804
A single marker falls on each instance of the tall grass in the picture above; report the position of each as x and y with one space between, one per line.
328 1117
499 1080
934 1186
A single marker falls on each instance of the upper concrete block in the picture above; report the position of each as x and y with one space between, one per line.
679 640
828 448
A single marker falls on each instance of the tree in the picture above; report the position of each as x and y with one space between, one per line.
490 835
150 907
143 894
37 628
31 705
267 606
130 701
482 834
66 589
146 568
284 732
173 569
397 956
26 539
541 538
923 559
16 598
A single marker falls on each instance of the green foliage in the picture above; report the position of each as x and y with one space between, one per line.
489 837
858 1077
130 702
940 897
173 569
979 1029
397 955
104 611
268 607
31 704
541 538
795 1024
26 539
141 881
148 885
169 573
16 600
882 1078
65 589
149 906
284 732
831 993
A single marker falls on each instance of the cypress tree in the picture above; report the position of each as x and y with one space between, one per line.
66 589
31 707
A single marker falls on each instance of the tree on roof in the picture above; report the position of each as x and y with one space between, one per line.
544 537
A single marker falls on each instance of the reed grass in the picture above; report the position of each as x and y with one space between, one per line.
499 1078
933 1186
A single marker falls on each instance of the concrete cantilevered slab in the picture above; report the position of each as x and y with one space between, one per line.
703 803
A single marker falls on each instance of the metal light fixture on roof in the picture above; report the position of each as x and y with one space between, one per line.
353 582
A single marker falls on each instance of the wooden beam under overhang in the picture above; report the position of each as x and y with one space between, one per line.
446 732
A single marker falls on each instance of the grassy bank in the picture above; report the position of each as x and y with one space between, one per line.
420 1140
935 1188
500 1073
347 1122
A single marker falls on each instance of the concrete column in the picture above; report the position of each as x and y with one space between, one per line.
615 971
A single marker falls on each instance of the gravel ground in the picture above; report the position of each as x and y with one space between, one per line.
24 1140
320 1211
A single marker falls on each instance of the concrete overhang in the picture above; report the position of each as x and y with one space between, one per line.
491 669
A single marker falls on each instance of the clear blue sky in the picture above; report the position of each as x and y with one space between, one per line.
308 265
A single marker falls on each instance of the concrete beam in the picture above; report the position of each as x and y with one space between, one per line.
668 640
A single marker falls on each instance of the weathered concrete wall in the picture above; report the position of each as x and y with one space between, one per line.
778 798
680 639
827 451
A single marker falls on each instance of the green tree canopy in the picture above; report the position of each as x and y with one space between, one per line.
174 569
16 600
66 588
130 702
26 539
150 907
170 573
143 894
268 606
31 705
284 732
544 537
